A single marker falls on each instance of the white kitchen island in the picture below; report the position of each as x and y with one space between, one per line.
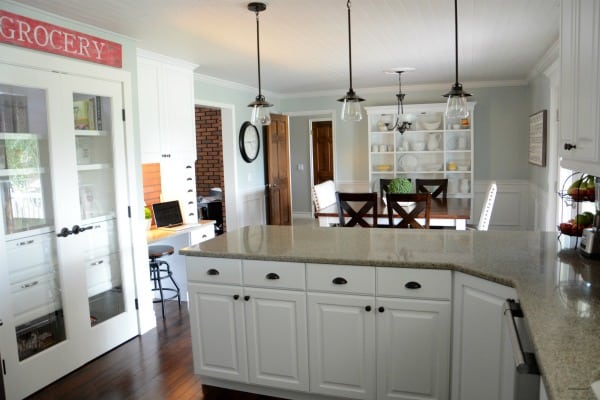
556 288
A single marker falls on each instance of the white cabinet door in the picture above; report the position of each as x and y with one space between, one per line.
149 106
580 84
482 364
341 345
178 97
413 349
218 331
166 108
277 338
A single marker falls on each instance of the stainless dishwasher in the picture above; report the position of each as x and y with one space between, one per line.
526 372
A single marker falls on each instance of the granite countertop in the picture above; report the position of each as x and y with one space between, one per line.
559 290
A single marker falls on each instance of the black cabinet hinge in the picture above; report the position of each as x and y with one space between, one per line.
4 367
129 211
123 112
137 306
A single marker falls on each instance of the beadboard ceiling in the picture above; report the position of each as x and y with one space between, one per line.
304 42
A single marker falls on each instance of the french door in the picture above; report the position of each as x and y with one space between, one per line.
64 225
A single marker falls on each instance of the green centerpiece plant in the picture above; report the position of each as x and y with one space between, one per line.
399 185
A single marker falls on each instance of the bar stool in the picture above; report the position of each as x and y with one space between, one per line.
160 270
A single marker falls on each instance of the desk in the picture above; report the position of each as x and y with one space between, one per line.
450 212
179 239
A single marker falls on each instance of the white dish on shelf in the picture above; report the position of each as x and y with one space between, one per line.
463 167
432 167
408 162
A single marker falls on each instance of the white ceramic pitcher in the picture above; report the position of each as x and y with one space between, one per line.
433 141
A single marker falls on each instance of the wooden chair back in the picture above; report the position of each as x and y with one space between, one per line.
408 214
441 186
357 206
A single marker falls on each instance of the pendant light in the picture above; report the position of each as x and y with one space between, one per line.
402 121
260 114
351 108
457 107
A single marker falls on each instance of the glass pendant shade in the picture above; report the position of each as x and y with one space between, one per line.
457 107
260 113
351 110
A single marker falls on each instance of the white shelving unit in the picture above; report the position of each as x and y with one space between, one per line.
433 147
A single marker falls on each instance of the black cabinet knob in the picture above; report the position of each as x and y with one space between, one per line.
246 297
236 296
381 309
412 285
339 281
212 271
368 308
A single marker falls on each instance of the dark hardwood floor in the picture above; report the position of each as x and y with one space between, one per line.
157 365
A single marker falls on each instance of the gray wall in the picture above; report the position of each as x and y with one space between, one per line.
539 92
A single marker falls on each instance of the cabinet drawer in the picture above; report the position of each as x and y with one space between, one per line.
274 274
199 235
340 278
214 270
414 283
30 252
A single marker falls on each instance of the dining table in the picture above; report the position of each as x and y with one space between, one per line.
450 212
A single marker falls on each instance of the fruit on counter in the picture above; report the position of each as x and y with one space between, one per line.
571 229
584 219
583 188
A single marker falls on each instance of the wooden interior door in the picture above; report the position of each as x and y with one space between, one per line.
322 148
277 171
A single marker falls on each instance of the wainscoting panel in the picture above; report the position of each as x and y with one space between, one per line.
253 207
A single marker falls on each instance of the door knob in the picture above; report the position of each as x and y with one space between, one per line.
76 229
64 232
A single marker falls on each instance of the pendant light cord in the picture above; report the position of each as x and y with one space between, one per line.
456 40
349 46
258 53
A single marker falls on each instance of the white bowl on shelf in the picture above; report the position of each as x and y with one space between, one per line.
408 162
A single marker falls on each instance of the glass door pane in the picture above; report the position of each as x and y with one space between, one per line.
92 122
27 220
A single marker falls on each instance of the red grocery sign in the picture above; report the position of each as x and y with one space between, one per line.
37 35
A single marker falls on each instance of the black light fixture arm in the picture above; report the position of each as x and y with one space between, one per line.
456 42
351 90
258 9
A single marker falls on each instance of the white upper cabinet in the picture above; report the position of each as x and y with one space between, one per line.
166 108
580 85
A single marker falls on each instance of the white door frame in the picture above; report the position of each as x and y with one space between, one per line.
331 118
228 125
552 215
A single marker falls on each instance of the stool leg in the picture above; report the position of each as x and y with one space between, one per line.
160 290
170 275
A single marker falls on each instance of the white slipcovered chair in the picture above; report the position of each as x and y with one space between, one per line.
486 210
323 195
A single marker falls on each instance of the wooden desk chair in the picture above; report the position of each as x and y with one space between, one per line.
356 206
408 215
440 185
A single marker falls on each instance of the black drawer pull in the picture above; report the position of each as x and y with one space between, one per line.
339 281
381 309
236 296
272 276
188 166
212 271
413 285
367 308
246 297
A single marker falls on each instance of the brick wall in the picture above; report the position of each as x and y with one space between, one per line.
209 147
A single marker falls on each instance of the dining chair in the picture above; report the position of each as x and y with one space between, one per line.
323 195
439 186
361 208
486 210
421 203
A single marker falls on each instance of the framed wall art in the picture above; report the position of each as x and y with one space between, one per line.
537 138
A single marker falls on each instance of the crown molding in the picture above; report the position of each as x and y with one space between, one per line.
551 55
